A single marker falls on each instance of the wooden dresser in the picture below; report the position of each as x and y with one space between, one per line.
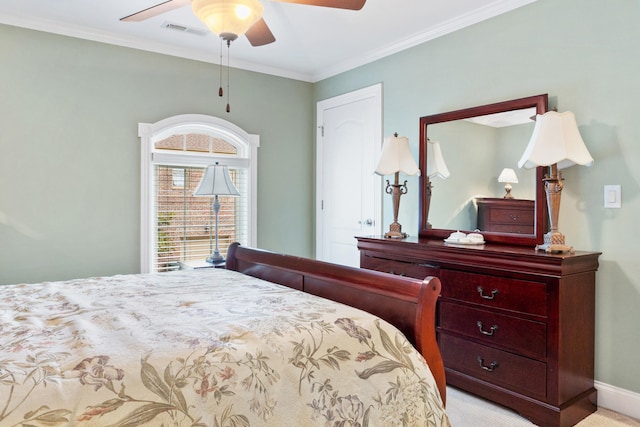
506 215
515 325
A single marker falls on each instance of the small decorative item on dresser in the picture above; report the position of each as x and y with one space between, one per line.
508 176
460 238
556 143
395 158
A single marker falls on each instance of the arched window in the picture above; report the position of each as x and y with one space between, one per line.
177 228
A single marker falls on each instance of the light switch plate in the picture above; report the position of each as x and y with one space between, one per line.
612 196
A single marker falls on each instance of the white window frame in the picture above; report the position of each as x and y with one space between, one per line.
149 133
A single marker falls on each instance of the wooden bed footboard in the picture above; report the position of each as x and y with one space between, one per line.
408 304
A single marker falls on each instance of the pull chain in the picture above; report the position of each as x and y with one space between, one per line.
220 70
228 74
228 37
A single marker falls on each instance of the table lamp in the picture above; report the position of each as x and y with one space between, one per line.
557 144
435 167
216 182
508 176
395 158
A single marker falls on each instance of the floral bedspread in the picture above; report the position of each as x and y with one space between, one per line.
202 348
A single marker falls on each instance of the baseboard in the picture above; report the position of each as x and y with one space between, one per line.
618 399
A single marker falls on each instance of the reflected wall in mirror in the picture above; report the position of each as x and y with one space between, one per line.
477 144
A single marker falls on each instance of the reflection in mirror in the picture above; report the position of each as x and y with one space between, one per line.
477 144
476 152
508 176
436 167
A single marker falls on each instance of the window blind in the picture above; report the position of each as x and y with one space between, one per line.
185 225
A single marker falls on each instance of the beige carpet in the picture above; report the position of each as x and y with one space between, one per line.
466 410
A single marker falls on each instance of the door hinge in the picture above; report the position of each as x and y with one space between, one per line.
321 130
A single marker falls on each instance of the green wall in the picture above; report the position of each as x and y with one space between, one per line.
70 152
584 54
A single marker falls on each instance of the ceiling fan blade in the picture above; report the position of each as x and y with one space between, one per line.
338 4
156 10
259 34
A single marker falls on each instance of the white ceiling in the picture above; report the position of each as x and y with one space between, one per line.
312 43
506 118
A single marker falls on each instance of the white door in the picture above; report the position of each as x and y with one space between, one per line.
348 201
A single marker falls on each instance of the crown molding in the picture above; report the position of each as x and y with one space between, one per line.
494 9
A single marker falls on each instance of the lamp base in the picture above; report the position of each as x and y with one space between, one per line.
508 194
554 243
215 258
395 232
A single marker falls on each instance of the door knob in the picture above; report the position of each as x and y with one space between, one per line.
368 222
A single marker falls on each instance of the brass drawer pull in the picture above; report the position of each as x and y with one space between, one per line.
491 330
492 296
433 266
489 368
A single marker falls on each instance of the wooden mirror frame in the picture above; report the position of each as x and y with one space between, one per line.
540 102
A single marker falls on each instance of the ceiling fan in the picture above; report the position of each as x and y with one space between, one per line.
258 33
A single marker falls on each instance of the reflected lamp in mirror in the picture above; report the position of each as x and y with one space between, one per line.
396 157
216 182
508 176
435 167
556 143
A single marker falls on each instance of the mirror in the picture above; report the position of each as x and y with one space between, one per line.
477 144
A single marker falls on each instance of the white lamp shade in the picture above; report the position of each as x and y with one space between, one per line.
555 139
435 162
508 175
396 157
228 16
216 182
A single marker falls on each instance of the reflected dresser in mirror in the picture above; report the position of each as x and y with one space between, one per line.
513 216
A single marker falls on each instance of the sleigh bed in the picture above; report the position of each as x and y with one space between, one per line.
223 347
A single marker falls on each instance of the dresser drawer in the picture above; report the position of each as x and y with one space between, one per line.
518 373
511 216
510 228
401 268
501 292
512 333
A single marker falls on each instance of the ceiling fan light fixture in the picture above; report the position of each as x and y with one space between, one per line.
243 11
228 16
